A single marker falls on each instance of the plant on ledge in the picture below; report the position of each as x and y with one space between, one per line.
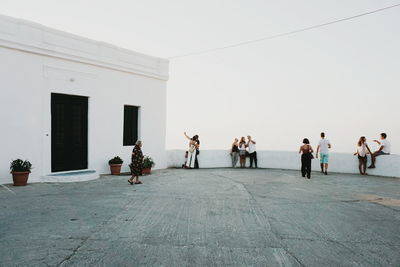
20 171
148 163
115 165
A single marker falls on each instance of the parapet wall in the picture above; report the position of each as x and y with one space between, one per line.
388 166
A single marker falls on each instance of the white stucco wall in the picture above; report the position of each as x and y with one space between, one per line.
338 162
36 61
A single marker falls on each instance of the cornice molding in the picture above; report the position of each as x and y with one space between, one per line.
33 38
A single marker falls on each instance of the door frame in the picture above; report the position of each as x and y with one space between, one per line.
50 131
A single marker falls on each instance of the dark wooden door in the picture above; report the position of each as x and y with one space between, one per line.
69 132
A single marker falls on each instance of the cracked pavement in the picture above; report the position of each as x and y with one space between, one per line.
206 217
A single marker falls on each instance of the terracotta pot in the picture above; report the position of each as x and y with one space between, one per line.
115 169
146 171
20 178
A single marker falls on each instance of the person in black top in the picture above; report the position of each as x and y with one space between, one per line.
235 152
196 162
306 157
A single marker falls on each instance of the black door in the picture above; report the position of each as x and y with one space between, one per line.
69 132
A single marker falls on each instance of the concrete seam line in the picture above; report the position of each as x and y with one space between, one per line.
99 228
8 189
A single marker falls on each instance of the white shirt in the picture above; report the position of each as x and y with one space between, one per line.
242 147
252 147
386 146
324 146
362 150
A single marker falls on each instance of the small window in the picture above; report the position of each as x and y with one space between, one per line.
131 118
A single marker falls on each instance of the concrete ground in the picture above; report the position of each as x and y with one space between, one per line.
207 217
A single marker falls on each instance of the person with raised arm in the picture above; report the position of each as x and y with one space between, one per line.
191 153
251 144
384 149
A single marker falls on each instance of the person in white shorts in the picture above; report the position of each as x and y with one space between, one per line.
323 148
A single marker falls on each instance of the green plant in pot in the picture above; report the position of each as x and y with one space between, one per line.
20 171
115 165
148 163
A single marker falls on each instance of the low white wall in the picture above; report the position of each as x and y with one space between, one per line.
338 162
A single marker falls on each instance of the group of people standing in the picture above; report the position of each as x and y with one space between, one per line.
241 149
324 146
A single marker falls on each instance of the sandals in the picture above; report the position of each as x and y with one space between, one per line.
131 182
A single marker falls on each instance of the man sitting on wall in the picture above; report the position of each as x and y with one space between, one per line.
384 149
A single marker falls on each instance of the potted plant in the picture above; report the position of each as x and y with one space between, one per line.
20 171
115 165
148 163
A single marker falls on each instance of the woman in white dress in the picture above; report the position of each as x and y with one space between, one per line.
191 153
362 151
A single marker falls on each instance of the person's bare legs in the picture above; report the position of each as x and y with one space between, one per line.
322 167
365 165
360 166
326 168
137 180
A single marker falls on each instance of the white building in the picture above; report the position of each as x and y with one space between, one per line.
68 103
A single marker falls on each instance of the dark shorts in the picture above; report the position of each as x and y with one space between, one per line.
363 158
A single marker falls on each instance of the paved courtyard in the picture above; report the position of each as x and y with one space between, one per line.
208 217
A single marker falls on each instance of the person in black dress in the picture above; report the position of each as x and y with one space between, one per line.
196 161
136 163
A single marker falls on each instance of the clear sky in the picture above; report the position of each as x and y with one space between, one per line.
343 79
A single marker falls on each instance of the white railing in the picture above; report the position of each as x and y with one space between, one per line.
387 165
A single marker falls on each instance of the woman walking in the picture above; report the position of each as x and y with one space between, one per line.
235 152
191 156
242 152
136 163
362 151
306 157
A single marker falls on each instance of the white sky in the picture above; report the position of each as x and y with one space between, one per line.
343 79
